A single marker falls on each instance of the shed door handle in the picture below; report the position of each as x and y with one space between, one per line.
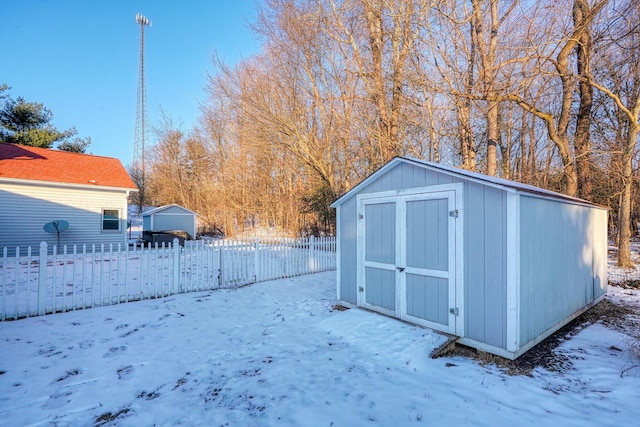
400 269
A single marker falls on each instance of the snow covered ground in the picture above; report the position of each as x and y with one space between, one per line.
278 354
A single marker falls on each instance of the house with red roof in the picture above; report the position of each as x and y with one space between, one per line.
39 185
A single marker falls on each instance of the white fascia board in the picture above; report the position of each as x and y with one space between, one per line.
32 182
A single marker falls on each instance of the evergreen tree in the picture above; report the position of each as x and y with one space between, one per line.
29 123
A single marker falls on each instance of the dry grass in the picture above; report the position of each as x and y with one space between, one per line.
633 365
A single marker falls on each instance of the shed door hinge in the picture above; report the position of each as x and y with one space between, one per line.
360 289
454 213
360 216
455 311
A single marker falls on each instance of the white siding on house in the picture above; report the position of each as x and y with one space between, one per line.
26 207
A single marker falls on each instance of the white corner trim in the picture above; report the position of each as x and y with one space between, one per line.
360 245
513 272
338 253
459 259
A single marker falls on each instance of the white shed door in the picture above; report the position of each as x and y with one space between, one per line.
407 257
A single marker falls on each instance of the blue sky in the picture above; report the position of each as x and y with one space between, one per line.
80 59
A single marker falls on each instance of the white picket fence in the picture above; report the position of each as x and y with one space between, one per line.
35 283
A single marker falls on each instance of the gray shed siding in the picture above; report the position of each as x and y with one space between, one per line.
484 248
405 176
174 210
348 251
163 222
170 218
146 223
558 276
485 264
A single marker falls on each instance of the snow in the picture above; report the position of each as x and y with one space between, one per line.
618 274
278 354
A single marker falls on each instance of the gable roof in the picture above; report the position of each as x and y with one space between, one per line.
166 207
41 164
463 173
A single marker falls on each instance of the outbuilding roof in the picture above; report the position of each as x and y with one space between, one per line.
473 176
166 207
41 164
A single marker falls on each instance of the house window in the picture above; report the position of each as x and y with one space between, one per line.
110 219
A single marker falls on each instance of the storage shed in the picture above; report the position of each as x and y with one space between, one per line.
170 218
499 264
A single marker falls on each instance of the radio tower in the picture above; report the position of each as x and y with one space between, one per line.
141 118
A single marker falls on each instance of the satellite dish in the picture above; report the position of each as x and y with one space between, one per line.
57 226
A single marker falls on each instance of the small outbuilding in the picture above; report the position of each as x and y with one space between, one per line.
499 264
170 220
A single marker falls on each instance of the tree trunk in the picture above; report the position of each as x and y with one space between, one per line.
493 134
569 181
581 141
389 107
624 214
467 149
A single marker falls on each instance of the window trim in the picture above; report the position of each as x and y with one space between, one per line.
103 218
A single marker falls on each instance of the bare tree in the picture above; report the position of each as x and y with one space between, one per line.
377 37
485 43
341 86
139 198
581 138
448 41
558 124
619 80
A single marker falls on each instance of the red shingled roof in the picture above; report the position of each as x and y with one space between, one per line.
41 164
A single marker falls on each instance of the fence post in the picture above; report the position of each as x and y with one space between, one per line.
4 284
176 266
42 279
256 260
312 261
220 249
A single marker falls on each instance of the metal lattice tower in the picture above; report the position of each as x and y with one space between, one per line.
141 106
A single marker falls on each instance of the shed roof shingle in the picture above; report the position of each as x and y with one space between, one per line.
41 164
